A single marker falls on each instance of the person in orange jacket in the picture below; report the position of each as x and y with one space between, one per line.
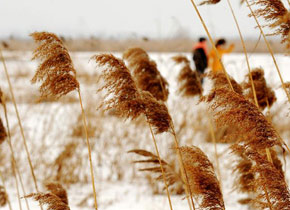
213 59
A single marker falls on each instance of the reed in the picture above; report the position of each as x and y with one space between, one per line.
58 77
15 167
129 102
203 182
19 122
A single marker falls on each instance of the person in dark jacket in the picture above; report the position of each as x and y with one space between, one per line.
200 56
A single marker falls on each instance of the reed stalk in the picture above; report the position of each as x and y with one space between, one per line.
215 151
19 123
212 43
89 149
15 167
161 167
183 171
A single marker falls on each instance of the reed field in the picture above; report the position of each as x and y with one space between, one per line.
136 129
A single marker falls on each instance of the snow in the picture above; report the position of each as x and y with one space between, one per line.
49 126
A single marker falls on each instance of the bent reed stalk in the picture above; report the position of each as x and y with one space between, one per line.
19 123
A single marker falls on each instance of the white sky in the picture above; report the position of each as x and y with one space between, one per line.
121 18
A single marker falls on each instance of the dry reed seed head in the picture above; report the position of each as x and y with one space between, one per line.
122 93
276 14
146 73
3 133
156 113
3 197
136 53
232 109
189 82
245 180
55 199
56 70
179 59
220 80
265 95
58 190
272 179
209 2
52 201
203 182
1 97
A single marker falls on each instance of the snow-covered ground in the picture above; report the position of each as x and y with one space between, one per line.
50 126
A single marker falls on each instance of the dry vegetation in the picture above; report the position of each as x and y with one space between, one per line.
127 103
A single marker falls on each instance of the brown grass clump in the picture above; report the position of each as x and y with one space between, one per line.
3 197
203 182
172 177
232 109
146 74
220 81
56 70
3 133
189 81
265 95
278 17
55 199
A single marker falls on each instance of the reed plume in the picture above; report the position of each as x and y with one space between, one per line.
188 80
146 74
270 182
220 81
58 75
126 98
172 177
3 197
232 109
156 113
210 2
265 95
130 102
55 198
278 17
56 71
203 182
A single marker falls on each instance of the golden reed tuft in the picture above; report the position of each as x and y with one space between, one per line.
188 80
3 197
55 199
124 96
277 15
233 110
146 74
56 70
265 95
202 180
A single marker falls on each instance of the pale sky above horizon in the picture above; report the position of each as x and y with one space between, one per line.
121 18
